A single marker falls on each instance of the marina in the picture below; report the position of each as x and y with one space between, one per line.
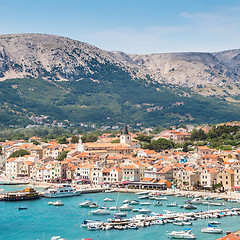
67 221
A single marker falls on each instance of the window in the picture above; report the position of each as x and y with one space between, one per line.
226 182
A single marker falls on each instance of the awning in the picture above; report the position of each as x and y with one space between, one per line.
236 187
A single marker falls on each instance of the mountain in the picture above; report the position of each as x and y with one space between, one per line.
70 80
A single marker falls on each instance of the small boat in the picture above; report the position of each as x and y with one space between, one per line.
132 226
94 227
109 190
22 208
93 205
187 223
158 222
216 204
126 207
178 223
120 227
126 201
58 203
107 227
113 208
172 204
86 223
135 210
157 204
121 214
215 222
134 202
142 193
213 230
100 212
143 197
86 203
161 198
188 206
57 238
50 203
108 200
185 234
143 210
145 203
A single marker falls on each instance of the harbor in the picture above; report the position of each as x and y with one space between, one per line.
67 220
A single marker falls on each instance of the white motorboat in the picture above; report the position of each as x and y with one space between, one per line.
142 193
113 208
135 210
173 204
100 212
120 214
109 190
134 202
215 222
94 228
145 203
158 222
143 197
50 203
144 211
126 207
86 203
108 200
213 230
57 238
189 206
187 223
182 234
126 201
87 223
178 223
61 190
161 198
58 203
94 205
196 201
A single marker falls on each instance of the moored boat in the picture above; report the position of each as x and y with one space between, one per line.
58 203
100 212
185 234
27 194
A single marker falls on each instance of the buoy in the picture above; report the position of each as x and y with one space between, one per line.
75 225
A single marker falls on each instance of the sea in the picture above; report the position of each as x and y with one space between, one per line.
42 221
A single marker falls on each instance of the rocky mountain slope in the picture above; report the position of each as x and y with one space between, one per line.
58 58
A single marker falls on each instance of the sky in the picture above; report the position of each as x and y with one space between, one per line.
131 26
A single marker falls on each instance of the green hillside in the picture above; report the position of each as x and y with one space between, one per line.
114 98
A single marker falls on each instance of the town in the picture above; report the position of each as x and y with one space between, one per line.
120 161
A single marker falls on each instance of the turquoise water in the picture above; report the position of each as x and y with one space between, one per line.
42 221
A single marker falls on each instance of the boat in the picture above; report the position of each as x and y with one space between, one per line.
142 193
143 210
133 226
135 210
94 228
113 208
109 190
196 201
185 234
158 222
58 203
126 207
120 214
87 203
50 203
93 205
108 200
28 194
87 223
61 190
134 202
161 198
178 223
216 204
187 223
100 212
157 204
215 222
172 204
126 201
213 230
57 238
145 203
189 206
143 197
22 208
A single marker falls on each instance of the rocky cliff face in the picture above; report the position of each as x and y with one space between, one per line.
58 58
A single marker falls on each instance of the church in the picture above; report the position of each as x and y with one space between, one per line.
102 148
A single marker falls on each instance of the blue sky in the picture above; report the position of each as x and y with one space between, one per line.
132 26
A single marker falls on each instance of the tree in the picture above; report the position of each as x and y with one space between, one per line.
115 141
144 138
159 145
185 147
19 153
90 138
62 155
75 139
63 140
